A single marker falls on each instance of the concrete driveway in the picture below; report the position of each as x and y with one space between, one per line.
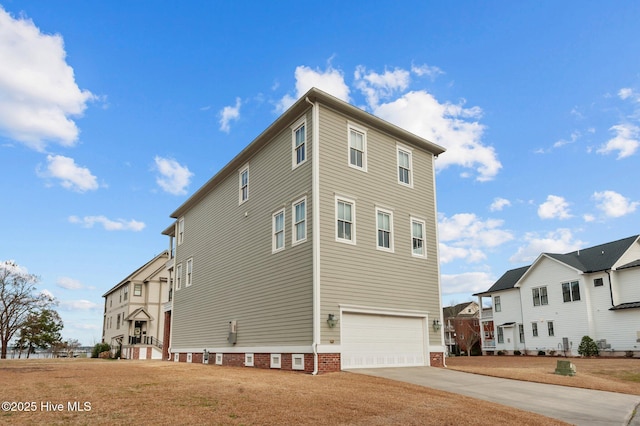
572 405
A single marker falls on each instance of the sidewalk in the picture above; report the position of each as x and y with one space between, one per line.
572 405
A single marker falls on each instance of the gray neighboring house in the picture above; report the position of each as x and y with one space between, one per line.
134 311
314 249
551 304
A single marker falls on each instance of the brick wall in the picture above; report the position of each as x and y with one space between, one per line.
437 359
327 363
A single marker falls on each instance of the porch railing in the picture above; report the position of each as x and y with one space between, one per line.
145 340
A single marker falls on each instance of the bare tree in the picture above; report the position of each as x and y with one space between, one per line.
467 333
18 299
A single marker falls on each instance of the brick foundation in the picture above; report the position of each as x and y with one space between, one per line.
437 359
327 363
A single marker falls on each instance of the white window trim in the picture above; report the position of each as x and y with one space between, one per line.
390 213
180 230
353 219
276 361
424 237
240 173
359 129
189 357
294 358
219 358
408 151
273 231
294 157
248 360
178 276
295 241
188 279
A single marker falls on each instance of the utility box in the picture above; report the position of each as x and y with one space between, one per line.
565 368
233 332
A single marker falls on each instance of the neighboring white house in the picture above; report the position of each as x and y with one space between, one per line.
551 304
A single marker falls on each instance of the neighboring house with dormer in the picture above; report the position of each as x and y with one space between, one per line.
314 249
134 311
459 320
550 305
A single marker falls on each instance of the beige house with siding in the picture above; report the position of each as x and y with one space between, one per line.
134 311
314 249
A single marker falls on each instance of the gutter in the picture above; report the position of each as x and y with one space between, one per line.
315 202
610 287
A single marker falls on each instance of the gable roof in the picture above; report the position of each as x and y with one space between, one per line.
507 281
593 259
284 121
137 271
454 311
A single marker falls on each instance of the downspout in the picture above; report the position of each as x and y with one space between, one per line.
610 287
315 203
440 314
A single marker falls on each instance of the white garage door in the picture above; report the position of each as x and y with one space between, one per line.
382 341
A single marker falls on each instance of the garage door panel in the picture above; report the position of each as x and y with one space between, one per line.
382 341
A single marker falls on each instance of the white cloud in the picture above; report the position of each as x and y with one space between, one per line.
70 283
329 80
72 176
613 204
588 217
174 178
499 204
79 305
380 86
558 241
554 208
229 113
626 141
426 70
38 87
465 236
451 125
468 282
108 224
627 92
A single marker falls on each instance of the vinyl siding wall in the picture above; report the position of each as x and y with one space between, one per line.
360 274
509 312
235 274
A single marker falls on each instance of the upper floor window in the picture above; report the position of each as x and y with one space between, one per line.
179 276
299 215
598 282
118 322
278 231
244 184
540 296
417 238
384 220
189 276
180 230
534 329
358 148
405 176
571 291
125 292
137 290
497 307
345 216
299 144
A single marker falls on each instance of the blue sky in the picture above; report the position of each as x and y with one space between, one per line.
113 113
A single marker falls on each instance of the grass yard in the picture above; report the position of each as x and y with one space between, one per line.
156 392
608 374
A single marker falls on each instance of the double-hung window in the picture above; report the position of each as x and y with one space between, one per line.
189 278
521 332
384 220
299 142
137 289
497 306
278 231
571 291
540 296
180 230
500 335
357 148
405 176
244 184
179 276
418 248
550 328
534 329
299 215
345 220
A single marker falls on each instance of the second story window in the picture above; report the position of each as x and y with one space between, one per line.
179 276
540 296
278 231
125 294
497 306
417 238
357 148
137 290
384 221
299 221
299 144
571 291
244 184
181 230
345 215
404 167
189 277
